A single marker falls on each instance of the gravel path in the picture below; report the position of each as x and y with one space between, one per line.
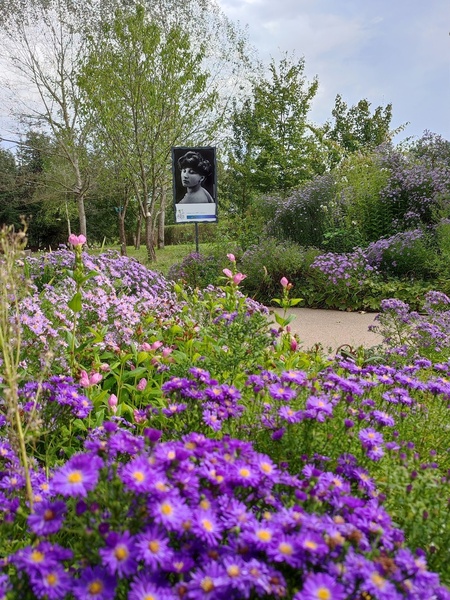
333 328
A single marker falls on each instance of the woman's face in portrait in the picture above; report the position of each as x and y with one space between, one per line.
189 178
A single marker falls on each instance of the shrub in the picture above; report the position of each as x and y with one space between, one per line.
408 333
302 216
266 263
405 254
195 270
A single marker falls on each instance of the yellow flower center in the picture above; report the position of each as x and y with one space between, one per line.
121 552
154 546
49 515
207 525
244 472
233 571
205 504
161 486
75 477
323 593
51 579
264 535
285 548
37 556
207 584
166 509
139 476
95 587
378 580
310 545
266 467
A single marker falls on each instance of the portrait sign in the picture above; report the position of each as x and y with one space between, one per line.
194 184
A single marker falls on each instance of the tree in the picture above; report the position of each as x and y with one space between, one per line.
157 96
356 128
42 44
272 147
9 213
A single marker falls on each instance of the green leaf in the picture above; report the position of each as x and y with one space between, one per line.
75 303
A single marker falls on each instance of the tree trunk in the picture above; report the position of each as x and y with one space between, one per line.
161 223
81 214
151 254
122 234
137 239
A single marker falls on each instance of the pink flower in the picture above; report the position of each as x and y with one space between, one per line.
95 378
89 380
77 240
139 416
112 403
238 278
231 257
294 344
84 379
228 273
284 282
141 385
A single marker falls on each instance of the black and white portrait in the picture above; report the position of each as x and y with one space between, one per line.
194 182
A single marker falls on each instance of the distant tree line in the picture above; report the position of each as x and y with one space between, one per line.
111 87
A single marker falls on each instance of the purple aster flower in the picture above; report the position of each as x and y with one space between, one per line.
51 583
298 377
174 408
290 415
118 556
369 437
312 543
321 586
375 452
94 584
170 512
47 517
285 550
383 418
211 419
208 582
137 476
207 527
78 476
143 588
152 547
40 557
279 391
5 585
236 573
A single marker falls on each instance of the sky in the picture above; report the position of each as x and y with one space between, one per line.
386 51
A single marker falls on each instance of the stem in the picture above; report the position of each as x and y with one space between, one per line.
24 457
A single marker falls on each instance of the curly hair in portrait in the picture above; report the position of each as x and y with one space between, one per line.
195 161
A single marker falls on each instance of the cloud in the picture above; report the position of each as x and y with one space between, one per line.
388 52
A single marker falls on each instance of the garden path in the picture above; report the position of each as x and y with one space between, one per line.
333 328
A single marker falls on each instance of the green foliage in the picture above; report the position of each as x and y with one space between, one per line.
303 216
358 208
195 270
270 260
272 148
356 128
